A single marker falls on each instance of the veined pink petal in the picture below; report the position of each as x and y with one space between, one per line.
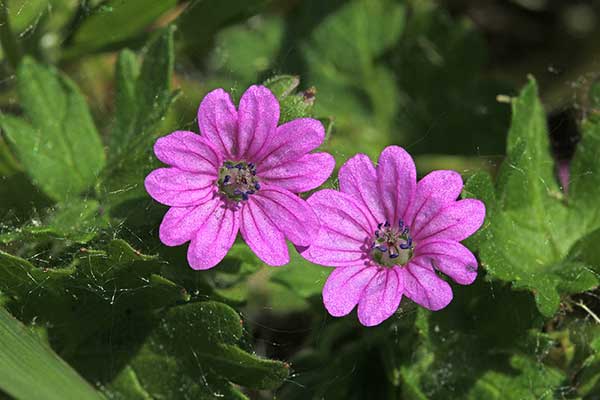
289 213
180 224
435 191
188 151
174 187
218 122
344 287
345 229
258 115
291 141
449 257
262 235
424 287
214 239
396 180
306 173
381 297
358 178
457 221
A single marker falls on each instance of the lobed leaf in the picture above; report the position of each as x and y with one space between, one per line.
530 231
59 124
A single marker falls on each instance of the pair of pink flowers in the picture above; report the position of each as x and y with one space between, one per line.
386 235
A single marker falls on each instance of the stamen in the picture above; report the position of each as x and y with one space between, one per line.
393 243
237 181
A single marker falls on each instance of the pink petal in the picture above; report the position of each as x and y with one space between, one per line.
217 119
358 178
188 152
306 173
396 180
258 115
435 191
262 236
344 287
174 187
214 239
180 224
381 297
449 257
291 141
346 227
456 221
424 287
289 213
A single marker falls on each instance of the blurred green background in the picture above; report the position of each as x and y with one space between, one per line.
432 76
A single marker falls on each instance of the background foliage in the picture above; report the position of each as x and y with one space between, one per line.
93 306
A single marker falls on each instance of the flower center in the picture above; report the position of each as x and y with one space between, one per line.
237 180
392 245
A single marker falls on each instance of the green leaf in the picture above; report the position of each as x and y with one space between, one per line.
143 98
77 221
292 105
143 92
127 384
19 199
242 276
80 300
301 277
530 232
282 85
584 177
244 52
30 370
115 21
587 250
230 278
360 89
23 13
8 164
530 381
190 352
359 41
127 72
526 179
60 147
246 369
18 277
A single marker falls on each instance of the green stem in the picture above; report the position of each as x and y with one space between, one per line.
11 48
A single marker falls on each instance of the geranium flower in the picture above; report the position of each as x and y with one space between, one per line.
243 172
388 236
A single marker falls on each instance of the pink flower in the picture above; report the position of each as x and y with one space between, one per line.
388 236
243 172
